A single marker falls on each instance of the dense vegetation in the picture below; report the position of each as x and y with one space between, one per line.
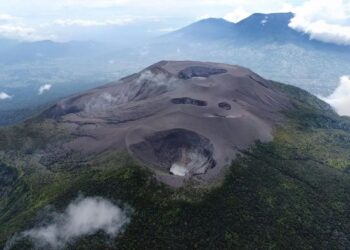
291 193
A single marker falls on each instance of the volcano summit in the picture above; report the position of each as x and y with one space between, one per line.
183 119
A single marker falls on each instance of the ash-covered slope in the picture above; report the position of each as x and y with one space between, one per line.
183 119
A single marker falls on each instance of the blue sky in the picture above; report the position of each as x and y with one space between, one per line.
74 19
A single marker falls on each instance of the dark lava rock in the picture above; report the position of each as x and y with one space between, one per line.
224 105
198 71
187 100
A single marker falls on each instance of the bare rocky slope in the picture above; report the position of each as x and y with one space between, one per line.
184 119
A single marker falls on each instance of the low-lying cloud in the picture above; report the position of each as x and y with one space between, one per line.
92 23
44 88
84 216
12 27
16 31
340 99
324 20
6 17
4 96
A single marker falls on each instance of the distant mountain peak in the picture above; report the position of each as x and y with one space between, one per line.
210 23
286 15
282 19
209 28
213 20
258 26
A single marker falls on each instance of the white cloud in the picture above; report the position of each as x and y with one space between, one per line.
91 23
17 31
149 3
166 30
325 20
13 27
237 15
7 17
287 7
340 99
84 216
168 6
94 3
4 96
44 88
51 5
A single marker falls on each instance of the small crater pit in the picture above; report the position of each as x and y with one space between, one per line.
178 151
187 100
198 71
224 105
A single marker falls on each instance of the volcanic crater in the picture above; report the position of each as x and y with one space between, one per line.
185 120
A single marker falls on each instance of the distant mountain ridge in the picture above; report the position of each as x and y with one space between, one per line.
258 23
257 27
211 28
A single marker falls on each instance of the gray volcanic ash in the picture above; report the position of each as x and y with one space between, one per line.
183 119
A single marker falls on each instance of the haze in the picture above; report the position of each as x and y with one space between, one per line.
90 19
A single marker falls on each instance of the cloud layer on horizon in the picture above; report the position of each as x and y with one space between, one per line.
92 23
62 20
324 20
13 27
340 98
